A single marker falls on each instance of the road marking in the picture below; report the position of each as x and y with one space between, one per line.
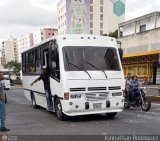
17 100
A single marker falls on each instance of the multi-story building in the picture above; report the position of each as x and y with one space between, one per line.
9 52
25 42
48 32
1 59
141 45
90 16
37 37
32 39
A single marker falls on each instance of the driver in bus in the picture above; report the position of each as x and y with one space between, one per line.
46 81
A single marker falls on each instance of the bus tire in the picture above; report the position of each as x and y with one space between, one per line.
33 101
58 110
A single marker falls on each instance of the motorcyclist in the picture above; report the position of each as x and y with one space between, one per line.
134 87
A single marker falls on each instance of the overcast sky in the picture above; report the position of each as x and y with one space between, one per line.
19 17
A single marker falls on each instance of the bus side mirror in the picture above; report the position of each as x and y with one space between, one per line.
120 53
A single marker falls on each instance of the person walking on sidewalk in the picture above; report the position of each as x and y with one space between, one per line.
2 106
45 77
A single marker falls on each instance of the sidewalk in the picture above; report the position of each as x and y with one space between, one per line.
153 93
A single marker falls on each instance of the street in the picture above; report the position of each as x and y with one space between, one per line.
23 119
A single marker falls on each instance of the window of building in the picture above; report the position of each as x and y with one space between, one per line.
91 16
91 8
101 2
91 1
91 24
143 28
101 32
101 9
91 31
101 25
101 17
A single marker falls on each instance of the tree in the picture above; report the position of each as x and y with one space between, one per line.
112 34
16 66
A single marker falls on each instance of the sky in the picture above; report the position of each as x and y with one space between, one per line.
20 17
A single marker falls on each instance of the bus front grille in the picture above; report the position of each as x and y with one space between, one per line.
96 88
114 88
77 89
96 96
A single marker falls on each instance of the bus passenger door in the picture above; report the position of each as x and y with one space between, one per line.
54 68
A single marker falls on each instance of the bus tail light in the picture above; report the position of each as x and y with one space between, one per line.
66 96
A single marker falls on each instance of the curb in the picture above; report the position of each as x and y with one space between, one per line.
154 98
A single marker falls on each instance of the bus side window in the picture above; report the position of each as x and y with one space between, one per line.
37 61
27 63
23 63
55 71
32 62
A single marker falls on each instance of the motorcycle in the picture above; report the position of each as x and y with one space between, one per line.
140 100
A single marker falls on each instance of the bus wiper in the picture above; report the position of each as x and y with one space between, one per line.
79 68
96 68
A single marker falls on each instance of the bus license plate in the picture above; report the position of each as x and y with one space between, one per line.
97 106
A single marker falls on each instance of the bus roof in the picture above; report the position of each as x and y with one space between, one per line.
73 37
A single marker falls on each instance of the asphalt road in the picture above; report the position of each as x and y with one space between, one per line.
23 119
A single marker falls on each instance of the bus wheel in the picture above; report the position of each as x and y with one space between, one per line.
33 101
58 110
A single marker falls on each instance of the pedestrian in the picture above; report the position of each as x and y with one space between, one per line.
46 81
128 84
2 106
145 81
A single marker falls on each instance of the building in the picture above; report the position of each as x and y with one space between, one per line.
48 32
25 42
141 45
90 16
1 59
31 39
9 52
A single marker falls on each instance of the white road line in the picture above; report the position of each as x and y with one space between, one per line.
17 100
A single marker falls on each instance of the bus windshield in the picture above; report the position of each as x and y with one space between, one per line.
90 58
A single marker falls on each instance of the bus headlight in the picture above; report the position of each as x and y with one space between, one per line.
75 96
117 94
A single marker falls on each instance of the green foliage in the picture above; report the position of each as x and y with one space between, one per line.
112 34
16 66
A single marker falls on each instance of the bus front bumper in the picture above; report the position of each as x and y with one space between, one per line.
82 107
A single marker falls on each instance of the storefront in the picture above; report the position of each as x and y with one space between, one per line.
143 66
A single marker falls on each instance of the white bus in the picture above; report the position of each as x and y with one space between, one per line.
6 81
86 75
